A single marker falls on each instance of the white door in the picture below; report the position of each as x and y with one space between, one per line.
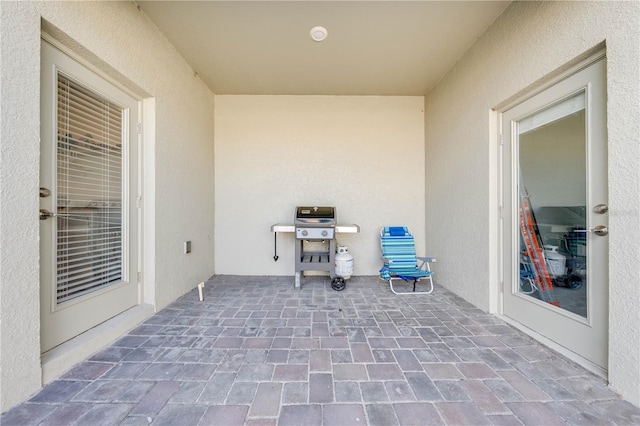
89 185
554 159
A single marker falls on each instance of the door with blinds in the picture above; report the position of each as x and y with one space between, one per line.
88 191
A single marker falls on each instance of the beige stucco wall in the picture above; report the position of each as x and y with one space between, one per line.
457 169
529 42
363 155
178 167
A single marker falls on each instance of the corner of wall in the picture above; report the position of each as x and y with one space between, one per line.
20 370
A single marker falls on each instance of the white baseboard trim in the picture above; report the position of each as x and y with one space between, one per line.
60 359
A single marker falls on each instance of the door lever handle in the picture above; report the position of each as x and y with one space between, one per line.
599 230
601 209
46 214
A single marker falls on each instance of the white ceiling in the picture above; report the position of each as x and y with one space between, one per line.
373 47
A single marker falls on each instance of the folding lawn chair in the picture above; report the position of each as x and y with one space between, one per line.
400 260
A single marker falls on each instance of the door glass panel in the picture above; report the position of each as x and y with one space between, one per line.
552 205
89 191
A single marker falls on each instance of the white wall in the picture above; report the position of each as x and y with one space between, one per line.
179 175
529 42
363 155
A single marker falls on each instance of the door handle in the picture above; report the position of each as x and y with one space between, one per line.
599 230
600 208
46 214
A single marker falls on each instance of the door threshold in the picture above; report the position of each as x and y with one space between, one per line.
60 359
581 361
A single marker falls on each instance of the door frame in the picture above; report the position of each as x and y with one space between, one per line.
559 76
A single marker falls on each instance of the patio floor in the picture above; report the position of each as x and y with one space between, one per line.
259 352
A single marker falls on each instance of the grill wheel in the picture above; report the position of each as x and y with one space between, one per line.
338 284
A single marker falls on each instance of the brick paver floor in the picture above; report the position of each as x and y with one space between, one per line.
259 352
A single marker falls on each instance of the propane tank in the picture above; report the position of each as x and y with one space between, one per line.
556 261
343 263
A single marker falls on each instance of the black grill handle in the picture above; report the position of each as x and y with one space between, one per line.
275 246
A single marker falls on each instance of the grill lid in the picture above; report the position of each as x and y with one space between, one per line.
315 216
315 212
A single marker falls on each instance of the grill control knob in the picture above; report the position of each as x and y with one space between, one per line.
324 233
305 232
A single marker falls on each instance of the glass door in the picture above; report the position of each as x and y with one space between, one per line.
555 190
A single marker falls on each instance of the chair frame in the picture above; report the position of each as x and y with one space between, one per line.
425 265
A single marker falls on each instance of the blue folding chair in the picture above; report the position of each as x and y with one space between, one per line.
400 260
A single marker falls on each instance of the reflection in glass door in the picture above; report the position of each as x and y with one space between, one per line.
552 205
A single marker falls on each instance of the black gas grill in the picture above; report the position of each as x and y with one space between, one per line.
315 225
315 244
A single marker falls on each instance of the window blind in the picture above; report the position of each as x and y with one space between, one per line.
89 191
550 114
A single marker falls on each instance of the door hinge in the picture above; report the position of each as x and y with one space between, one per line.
139 128
501 287
501 212
139 201
139 277
501 138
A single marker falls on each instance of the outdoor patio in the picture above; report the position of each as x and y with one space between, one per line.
259 352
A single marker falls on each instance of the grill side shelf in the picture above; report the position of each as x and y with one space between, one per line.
346 229
278 227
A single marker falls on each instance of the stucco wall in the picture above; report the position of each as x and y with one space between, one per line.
528 44
178 168
363 155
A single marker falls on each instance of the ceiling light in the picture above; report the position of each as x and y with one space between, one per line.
318 33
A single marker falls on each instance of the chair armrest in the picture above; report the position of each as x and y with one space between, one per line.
426 261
